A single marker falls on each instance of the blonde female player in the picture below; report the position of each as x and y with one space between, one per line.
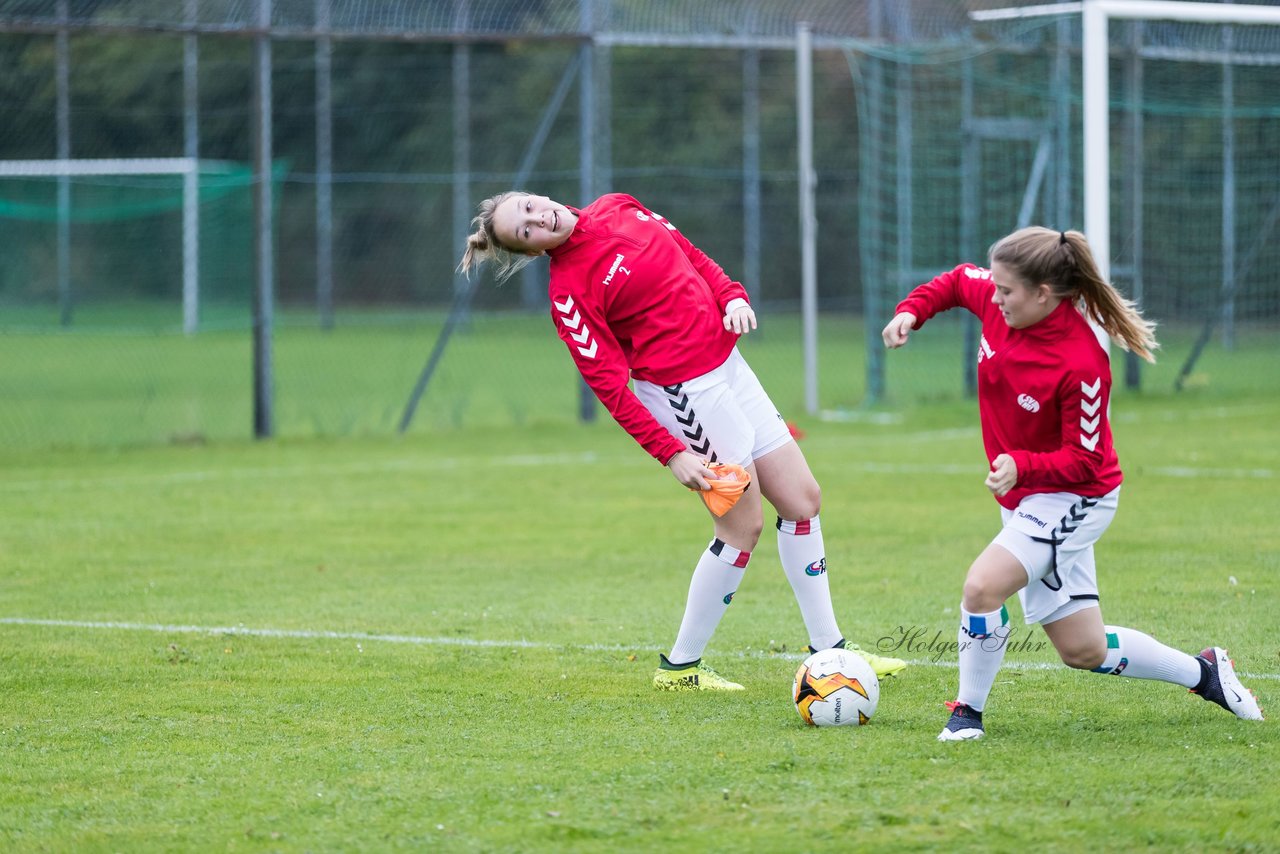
1044 385
634 300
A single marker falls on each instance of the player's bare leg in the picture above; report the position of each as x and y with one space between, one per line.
716 578
788 484
740 527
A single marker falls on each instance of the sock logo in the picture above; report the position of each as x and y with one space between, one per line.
816 568
1119 668
728 598
977 626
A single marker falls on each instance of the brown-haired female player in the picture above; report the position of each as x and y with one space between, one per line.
1044 386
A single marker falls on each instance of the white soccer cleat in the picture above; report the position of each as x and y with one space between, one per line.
1223 686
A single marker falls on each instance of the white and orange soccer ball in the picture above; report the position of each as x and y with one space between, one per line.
836 687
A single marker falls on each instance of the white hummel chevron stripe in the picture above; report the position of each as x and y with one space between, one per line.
572 323
1090 407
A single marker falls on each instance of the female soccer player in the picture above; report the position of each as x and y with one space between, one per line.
634 300
1044 386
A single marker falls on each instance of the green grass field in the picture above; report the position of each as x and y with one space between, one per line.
444 641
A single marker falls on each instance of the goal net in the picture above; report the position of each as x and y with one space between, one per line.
93 235
965 144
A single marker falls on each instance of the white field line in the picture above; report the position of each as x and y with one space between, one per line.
1189 414
1187 471
969 470
415 464
411 465
418 640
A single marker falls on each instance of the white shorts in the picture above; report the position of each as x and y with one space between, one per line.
722 416
1052 534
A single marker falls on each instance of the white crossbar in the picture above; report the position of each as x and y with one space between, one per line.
103 166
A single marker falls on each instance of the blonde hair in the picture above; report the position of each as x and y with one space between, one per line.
1063 261
483 243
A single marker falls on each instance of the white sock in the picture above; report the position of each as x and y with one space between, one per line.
804 561
983 638
715 580
1140 656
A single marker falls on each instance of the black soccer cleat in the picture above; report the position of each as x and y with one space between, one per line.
965 723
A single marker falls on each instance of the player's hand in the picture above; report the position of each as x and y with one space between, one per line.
1003 476
741 319
690 470
895 334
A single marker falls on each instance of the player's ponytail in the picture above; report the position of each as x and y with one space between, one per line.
1063 260
483 243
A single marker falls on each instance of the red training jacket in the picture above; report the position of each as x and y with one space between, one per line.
632 297
1043 391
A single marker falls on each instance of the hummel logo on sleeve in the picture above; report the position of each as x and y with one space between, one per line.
1090 401
571 322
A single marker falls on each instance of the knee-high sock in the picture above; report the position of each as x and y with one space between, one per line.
982 638
804 560
715 580
1140 656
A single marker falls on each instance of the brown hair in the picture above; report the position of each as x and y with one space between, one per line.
483 243
1063 261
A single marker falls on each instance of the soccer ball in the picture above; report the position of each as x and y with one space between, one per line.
836 687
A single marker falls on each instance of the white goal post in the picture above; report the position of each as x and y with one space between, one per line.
1095 16
188 167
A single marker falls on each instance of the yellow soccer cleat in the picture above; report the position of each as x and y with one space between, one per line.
882 665
697 676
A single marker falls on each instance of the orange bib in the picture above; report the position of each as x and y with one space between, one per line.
731 482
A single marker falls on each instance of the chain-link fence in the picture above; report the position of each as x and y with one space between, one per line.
130 295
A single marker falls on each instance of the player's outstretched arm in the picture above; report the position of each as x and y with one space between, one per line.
896 333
